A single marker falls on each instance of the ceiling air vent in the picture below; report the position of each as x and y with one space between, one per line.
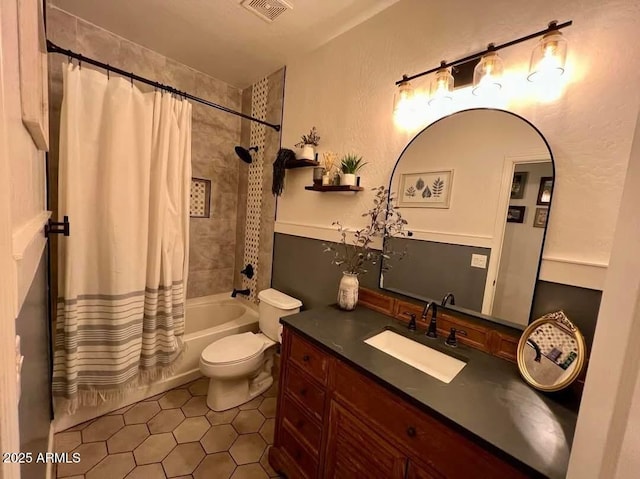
268 10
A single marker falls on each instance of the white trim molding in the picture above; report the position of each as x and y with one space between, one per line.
584 274
28 232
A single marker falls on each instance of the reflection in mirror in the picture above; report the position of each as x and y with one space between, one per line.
551 352
469 185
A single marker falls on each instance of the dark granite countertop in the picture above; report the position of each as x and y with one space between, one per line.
488 400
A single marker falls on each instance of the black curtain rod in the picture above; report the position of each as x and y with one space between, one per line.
53 48
491 48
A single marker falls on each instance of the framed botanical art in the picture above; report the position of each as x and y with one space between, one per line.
515 214
518 184
544 191
540 218
431 189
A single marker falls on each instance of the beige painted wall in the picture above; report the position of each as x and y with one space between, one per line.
214 135
346 89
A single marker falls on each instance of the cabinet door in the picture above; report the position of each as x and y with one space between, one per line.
417 471
354 450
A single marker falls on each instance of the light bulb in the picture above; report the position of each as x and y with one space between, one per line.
442 86
487 75
548 58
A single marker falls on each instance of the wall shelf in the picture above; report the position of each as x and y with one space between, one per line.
300 163
334 188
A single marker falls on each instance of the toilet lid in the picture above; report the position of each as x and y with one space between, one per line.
236 347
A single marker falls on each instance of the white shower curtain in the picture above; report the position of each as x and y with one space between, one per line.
125 171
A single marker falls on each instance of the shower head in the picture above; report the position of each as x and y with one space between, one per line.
244 154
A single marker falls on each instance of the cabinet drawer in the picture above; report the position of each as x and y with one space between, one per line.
424 437
300 422
303 459
304 390
309 358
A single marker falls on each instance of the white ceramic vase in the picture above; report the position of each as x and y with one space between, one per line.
308 153
348 179
348 291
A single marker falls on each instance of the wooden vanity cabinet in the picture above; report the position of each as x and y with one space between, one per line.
333 422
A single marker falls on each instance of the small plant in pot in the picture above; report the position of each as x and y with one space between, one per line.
351 164
308 144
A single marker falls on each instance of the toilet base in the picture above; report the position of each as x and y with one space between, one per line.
225 394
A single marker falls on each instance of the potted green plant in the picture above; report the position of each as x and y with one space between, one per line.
308 144
355 250
350 165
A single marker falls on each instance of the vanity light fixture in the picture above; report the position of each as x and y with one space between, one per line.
442 85
487 76
404 95
405 105
548 57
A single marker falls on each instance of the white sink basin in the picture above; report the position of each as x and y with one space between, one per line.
424 358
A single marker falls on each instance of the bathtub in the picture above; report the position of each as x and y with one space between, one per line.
210 318
207 319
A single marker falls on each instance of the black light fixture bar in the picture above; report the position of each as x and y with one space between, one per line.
53 48
553 26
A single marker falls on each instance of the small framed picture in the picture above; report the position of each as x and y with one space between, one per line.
518 184
544 192
431 189
540 219
515 214
200 198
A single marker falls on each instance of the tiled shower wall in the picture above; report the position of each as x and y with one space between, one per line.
214 136
257 244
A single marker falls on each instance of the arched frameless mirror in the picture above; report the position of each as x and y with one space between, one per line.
475 188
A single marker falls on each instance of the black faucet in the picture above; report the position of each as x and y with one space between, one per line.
245 292
248 271
447 297
452 340
432 331
412 320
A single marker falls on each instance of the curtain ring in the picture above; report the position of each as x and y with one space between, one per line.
108 72
131 78
80 62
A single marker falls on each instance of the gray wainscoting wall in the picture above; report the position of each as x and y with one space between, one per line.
32 326
302 270
431 270
581 305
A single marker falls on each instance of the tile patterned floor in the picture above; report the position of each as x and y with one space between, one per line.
174 435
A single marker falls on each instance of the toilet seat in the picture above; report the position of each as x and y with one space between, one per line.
233 349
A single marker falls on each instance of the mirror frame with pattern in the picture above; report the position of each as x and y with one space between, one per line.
559 320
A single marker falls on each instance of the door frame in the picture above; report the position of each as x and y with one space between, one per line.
508 168
9 421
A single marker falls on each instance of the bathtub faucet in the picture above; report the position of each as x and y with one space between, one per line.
245 292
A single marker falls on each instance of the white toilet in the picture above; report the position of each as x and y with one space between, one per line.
239 366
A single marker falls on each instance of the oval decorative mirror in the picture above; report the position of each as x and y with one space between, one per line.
476 189
551 352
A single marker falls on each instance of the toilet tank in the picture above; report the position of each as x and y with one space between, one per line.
274 305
